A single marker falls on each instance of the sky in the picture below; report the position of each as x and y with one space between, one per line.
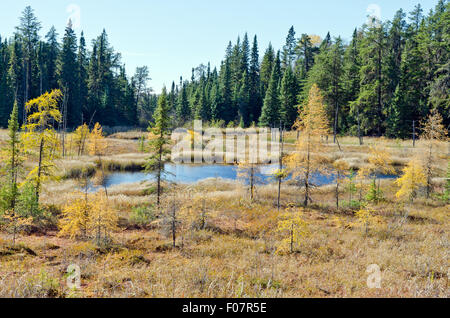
171 37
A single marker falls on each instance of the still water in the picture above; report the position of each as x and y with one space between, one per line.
184 173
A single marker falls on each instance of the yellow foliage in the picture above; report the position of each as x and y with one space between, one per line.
86 216
433 129
413 177
75 221
379 161
103 219
293 228
40 139
43 111
313 126
97 143
79 138
367 218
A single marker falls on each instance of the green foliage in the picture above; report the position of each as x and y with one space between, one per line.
374 194
391 73
143 215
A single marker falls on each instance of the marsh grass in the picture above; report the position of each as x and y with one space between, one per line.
234 254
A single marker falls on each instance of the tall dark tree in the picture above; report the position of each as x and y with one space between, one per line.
288 98
255 101
67 76
288 53
28 31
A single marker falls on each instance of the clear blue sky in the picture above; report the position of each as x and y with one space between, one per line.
172 37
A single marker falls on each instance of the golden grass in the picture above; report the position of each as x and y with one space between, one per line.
233 256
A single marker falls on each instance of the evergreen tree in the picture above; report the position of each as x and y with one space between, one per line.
288 98
82 77
52 52
28 31
288 54
270 115
371 99
254 84
267 68
158 142
183 110
67 76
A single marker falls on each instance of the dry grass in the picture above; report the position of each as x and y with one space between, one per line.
233 256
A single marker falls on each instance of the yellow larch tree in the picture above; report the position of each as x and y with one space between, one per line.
380 162
103 219
40 138
293 228
313 126
80 136
75 217
433 131
367 218
413 178
97 147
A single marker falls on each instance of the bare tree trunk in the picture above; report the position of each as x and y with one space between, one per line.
280 168
307 174
337 192
359 130
103 174
38 182
429 169
292 238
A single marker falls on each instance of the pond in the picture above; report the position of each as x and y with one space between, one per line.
184 173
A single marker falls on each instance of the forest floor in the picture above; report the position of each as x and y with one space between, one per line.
235 253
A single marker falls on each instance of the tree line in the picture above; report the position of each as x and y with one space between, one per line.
389 77
386 80
94 82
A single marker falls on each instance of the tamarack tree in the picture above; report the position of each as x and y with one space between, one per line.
413 178
97 147
380 162
293 229
313 126
433 131
40 138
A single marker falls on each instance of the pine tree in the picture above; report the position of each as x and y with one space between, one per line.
255 101
52 52
267 68
13 156
288 53
183 110
15 77
270 111
352 67
6 96
371 99
288 98
67 76
305 53
82 77
159 139
28 31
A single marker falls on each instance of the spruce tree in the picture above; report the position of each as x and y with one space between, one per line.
288 98
67 76
270 114
158 143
